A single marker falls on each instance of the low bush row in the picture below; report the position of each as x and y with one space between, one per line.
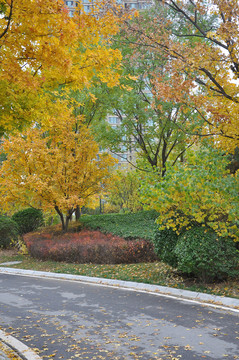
89 247
198 251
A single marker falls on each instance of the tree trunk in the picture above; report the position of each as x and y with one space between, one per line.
77 213
68 218
61 217
164 158
64 221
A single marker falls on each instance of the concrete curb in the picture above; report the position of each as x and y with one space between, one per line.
185 295
23 351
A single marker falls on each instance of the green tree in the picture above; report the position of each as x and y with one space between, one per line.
199 40
159 129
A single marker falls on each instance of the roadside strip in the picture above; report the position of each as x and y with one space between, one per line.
22 351
221 302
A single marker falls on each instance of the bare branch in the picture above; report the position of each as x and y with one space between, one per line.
9 20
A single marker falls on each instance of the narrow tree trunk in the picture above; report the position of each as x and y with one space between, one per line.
164 158
77 213
64 221
68 218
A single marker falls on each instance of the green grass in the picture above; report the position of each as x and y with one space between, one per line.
156 273
132 225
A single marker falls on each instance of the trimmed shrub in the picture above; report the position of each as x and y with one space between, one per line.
89 247
164 243
8 232
28 220
202 253
139 225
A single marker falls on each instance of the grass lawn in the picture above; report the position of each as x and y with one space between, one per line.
140 225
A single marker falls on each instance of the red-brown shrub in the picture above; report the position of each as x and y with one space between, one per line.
88 246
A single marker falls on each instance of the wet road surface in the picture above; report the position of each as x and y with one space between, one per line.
71 320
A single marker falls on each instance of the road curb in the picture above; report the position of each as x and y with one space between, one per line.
22 350
186 295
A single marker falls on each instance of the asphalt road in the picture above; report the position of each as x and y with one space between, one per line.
71 320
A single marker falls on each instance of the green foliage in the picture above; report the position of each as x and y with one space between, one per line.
202 253
133 225
3 7
28 220
158 138
199 190
164 244
156 127
8 232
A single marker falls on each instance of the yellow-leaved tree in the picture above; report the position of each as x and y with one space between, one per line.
42 48
123 191
53 166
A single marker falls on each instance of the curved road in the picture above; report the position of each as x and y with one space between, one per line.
71 320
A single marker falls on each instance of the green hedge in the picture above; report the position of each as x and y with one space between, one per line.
164 244
129 226
28 220
202 253
8 232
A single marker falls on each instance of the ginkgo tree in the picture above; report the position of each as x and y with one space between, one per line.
55 166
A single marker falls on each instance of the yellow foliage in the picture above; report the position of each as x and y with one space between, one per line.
123 191
41 47
203 192
55 165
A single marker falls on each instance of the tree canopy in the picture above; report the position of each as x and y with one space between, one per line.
41 47
54 166
199 40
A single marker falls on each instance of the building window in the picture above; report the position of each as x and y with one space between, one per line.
133 6
113 119
123 148
146 6
123 157
86 8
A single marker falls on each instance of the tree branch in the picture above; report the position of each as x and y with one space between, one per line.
9 20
